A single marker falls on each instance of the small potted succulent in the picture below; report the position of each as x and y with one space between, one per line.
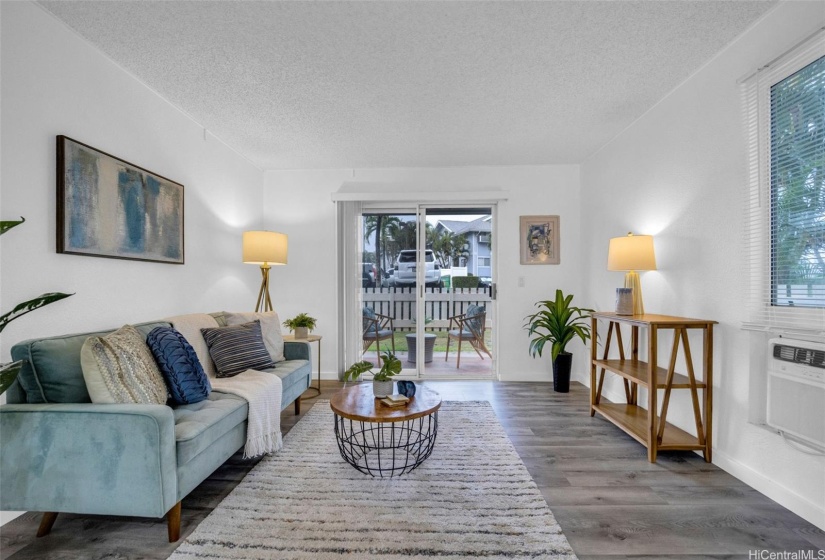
301 324
381 381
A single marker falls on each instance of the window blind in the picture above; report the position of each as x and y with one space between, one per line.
784 117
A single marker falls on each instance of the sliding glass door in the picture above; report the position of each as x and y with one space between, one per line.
456 297
427 288
389 277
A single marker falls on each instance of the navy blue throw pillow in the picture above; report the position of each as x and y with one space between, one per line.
179 365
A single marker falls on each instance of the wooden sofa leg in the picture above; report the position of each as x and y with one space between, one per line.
46 523
297 406
173 522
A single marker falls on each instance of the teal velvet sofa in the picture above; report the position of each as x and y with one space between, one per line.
62 453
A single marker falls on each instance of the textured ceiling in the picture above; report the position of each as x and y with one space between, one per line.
386 84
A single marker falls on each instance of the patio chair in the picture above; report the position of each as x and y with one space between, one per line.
377 327
469 327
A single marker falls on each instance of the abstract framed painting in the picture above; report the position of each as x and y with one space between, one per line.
108 207
540 239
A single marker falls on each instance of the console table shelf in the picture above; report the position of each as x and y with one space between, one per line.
636 371
652 430
633 420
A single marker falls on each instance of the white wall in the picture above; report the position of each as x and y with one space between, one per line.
679 173
299 203
54 83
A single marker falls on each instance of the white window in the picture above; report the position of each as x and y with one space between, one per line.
785 108
483 261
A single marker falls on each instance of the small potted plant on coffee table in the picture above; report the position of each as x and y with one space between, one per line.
381 381
301 324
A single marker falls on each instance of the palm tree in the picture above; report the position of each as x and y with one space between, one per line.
448 246
379 226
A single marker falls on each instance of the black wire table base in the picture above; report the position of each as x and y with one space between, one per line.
386 449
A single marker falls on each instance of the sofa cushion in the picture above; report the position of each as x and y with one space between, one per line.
473 322
368 319
198 425
237 348
290 372
181 369
119 368
270 330
190 327
220 317
51 370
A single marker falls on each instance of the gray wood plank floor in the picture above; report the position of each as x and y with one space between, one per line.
610 502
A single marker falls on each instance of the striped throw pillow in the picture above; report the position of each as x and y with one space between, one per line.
237 348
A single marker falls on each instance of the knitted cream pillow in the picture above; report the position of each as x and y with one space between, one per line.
120 368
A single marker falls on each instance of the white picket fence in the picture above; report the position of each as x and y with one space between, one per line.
439 304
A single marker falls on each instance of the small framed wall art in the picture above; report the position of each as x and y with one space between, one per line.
108 207
540 241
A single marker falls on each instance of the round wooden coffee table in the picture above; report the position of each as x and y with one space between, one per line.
380 440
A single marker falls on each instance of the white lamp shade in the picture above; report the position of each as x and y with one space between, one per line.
632 252
264 247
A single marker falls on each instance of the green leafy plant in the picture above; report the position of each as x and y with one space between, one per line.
390 366
468 281
557 322
8 372
300 320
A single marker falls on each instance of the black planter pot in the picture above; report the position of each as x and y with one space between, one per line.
561 372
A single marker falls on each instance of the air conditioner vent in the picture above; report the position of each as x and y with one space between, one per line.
794 354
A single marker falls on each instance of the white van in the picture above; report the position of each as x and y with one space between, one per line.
405 274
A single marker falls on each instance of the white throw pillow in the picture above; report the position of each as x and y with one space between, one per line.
270 329
190 327
119 368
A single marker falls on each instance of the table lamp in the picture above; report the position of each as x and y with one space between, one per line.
632 253
264 248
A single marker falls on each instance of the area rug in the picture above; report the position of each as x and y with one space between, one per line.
473 498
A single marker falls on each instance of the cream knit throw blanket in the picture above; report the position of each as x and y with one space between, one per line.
263 393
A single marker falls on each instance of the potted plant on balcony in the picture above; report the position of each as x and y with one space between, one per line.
301 324
381 381
558 322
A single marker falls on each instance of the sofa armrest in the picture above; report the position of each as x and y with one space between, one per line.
297 350
110 459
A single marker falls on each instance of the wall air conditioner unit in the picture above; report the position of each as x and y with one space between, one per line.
796 389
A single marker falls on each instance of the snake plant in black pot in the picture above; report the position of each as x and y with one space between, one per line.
558 322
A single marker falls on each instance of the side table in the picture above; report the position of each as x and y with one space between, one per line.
310 338
429 344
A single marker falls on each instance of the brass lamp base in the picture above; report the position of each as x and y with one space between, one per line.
631 280
264 302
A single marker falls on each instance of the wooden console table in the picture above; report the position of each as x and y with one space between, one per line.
651 430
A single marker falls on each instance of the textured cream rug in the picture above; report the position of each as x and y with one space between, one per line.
473 498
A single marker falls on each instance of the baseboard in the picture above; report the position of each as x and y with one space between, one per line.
801 506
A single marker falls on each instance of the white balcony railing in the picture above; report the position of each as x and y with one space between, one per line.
439 304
